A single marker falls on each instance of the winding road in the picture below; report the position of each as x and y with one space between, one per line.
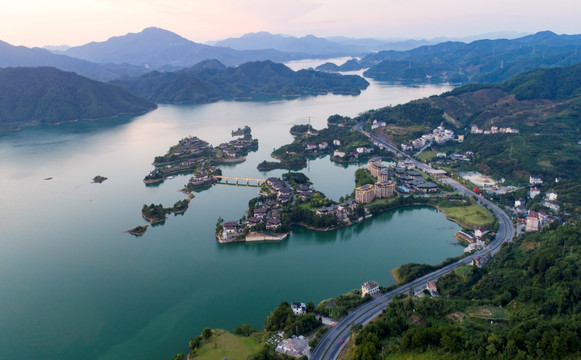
330 344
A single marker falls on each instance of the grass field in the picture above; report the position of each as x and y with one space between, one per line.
472 216
463 272
224 345
427 155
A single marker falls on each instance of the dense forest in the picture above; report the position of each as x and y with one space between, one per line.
211 80
525 304
46 95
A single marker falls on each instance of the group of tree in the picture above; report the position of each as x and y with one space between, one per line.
283 318
157 213
531 287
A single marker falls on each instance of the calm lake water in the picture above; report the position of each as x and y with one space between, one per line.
74 285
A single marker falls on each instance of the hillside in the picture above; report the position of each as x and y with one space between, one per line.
211 80
544 105
16 56
524 304
47 95
155 48
481 61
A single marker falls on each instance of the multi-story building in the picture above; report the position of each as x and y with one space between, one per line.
384 189
365 194
369 287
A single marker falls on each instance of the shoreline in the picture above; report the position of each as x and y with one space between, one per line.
397 280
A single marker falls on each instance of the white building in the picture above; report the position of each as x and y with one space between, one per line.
534 192
534 180
299 308
369 287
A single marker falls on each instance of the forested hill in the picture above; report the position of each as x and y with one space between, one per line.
524 304
46 95
482 61
211 80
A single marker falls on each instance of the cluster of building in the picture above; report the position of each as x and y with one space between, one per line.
296 346
190 145
237 147
342 210
381 189
438 135
414 181
493 130
475 241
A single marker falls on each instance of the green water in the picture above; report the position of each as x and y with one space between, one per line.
74 285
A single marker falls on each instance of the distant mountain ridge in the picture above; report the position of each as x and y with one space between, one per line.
481 61
212 80
15 56
46 95
315 46
154 47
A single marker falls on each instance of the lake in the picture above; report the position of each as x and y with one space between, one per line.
73 284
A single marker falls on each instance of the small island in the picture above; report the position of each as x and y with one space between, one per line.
138 230
99 179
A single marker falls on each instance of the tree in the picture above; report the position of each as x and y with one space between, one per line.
310 307
219 224
179 356
206 333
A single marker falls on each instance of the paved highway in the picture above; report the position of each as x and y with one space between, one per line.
330 344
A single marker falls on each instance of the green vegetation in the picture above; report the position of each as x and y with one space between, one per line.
363 177
301 129
472 216
244 330
45 95
338 120
138 230
523 305
342 304
157 213
283 318
210 81
294 155
221 344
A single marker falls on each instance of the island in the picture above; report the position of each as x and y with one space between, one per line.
343 144
192 155
138 230
99 179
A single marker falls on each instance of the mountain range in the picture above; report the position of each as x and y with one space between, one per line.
211 80
480 61
46 95
155 48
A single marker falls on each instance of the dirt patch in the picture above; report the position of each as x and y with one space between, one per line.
457 317
417 320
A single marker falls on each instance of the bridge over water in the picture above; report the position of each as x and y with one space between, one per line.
240 179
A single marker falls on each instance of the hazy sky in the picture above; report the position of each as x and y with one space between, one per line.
75 22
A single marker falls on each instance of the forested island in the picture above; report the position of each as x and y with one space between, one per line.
342 143
48 96
210 81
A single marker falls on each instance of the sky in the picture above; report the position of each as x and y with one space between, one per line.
76 22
